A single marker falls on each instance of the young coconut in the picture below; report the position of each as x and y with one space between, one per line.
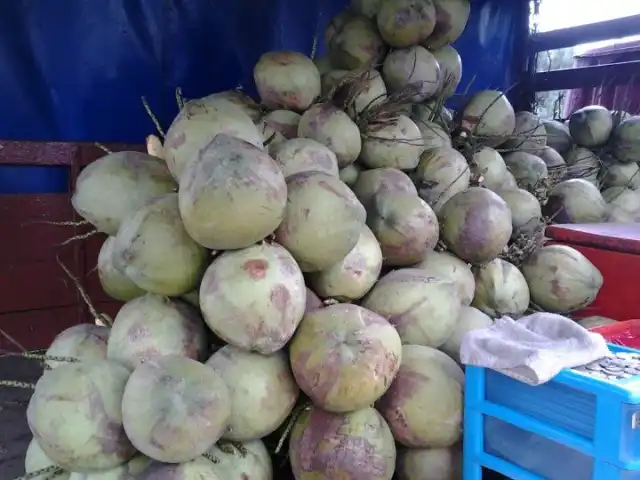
625 141
115 283
446 363
396 144
262 391
253 464
451 20
529 134
272 303
153 249
558 136
367 8
435 113
476 225
85 342
447 265
152 326
116 185
591 126
174 408
625 198
405 23
353 42
349 174
200 468
501 290
489 164
551 158
441 174
287 80
423 308
489 116
197 125
405 225
412 69
583 163
313 302
359 91
470 319
575 201
232 195
75 416
615 214
429 463
322 222
423 406
129 470
529 170
333 128
277 127
561 279
330 365
305 155
370 183
621 175
239 98
35 460
526 213
353 276
362 446
450 69
509 182
433 134
595 321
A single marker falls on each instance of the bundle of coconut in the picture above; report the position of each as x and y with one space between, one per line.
305 267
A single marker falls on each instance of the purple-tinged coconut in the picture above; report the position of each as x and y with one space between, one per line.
154 250
551 158
353 42
238 98
625 140
127 471
349 174
558 136
414 69
153 326
333 128
75 416
35 460
174 408
352 445
451 20
353 276
199 469
405 23
355 91
405 225
489 164
621 175
433 134
575 201
398 144
429 463
116 185
85 342
254 464
625 198
322 222
262 390
561 279
423 406
313 302
447 265
450 69
583 163
529 134
526 213
198 123
591 126
489 116
445 362
371 183
287 80
344 357
501 290
115 283
476 225
529 170
421 307
278 127
470 319
272 301
305 155
232 195
441 174
432 112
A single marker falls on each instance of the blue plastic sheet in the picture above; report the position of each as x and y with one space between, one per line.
76 72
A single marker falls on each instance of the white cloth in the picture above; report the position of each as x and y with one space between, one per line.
533 349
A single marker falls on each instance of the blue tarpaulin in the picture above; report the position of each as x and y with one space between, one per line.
75 70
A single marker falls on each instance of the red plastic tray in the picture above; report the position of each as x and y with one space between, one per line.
625 333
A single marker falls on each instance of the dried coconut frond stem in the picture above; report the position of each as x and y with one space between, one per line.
12 340
103 148
230 448
179 99
16 384
37 356
152 116
58 224
75 238
293 418
211 458
48 473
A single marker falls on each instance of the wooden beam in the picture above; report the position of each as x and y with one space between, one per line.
585 77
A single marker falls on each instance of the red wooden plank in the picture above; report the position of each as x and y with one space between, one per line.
55 153
35 329
620 237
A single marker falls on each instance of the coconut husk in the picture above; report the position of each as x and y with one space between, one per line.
525 245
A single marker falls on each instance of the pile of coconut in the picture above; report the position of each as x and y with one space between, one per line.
298 272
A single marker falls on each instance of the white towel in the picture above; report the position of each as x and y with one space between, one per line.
533 349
